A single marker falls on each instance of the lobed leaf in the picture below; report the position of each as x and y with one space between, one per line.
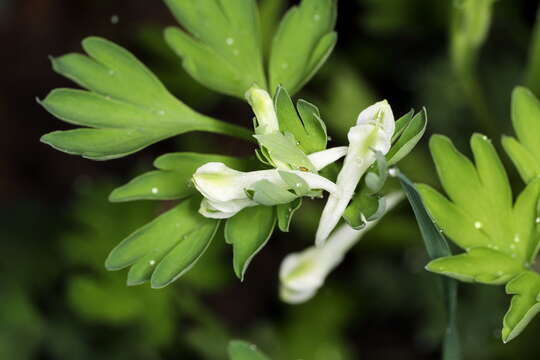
526 121
175 239
524 306
221 47
480 265
304 122
248 232
303 42
126 109
173 179
282 149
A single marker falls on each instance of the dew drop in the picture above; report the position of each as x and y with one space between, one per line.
284 65
115 19
152 262
155 190
161 112
478 225
537 220
112 72
392 172
495 247
499 273
107 98
517 238
329 138
316 17
236 52
229 41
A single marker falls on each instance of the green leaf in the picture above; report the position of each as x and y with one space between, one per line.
241 350
221 47
302 44
410 136
283 148
248 232
269 194
525 304
437 247
524 161
401 125
480 265
285 213
526 122
481 198
126 109
304 122
173 179
364 207
175 239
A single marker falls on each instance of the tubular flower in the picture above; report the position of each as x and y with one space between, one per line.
225 190
303 273
372 133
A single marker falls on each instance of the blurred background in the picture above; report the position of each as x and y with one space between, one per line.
56 226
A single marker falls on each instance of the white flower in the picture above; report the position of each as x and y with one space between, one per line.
373 132
302 274
224 189
263 107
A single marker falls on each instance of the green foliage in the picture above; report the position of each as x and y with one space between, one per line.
409 131
281 148
248 232
166 248
525 153
525 304
303 42
437 248
501 238
126 108
222 46
285 213
173 179
304 122
241 350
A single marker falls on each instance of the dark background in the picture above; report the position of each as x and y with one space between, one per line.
56 226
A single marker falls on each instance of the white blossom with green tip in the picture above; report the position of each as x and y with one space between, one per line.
225 189
303 273
373 132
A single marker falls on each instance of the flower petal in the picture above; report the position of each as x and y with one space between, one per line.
326 157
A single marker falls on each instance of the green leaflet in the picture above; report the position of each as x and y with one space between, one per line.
173 179
248 232
126 108
165 248
364 207
501 239
241 350
221 47
525 304
480 265
285 213
280 148
303 122
479 212
525 154
302 44
409 131
524 161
